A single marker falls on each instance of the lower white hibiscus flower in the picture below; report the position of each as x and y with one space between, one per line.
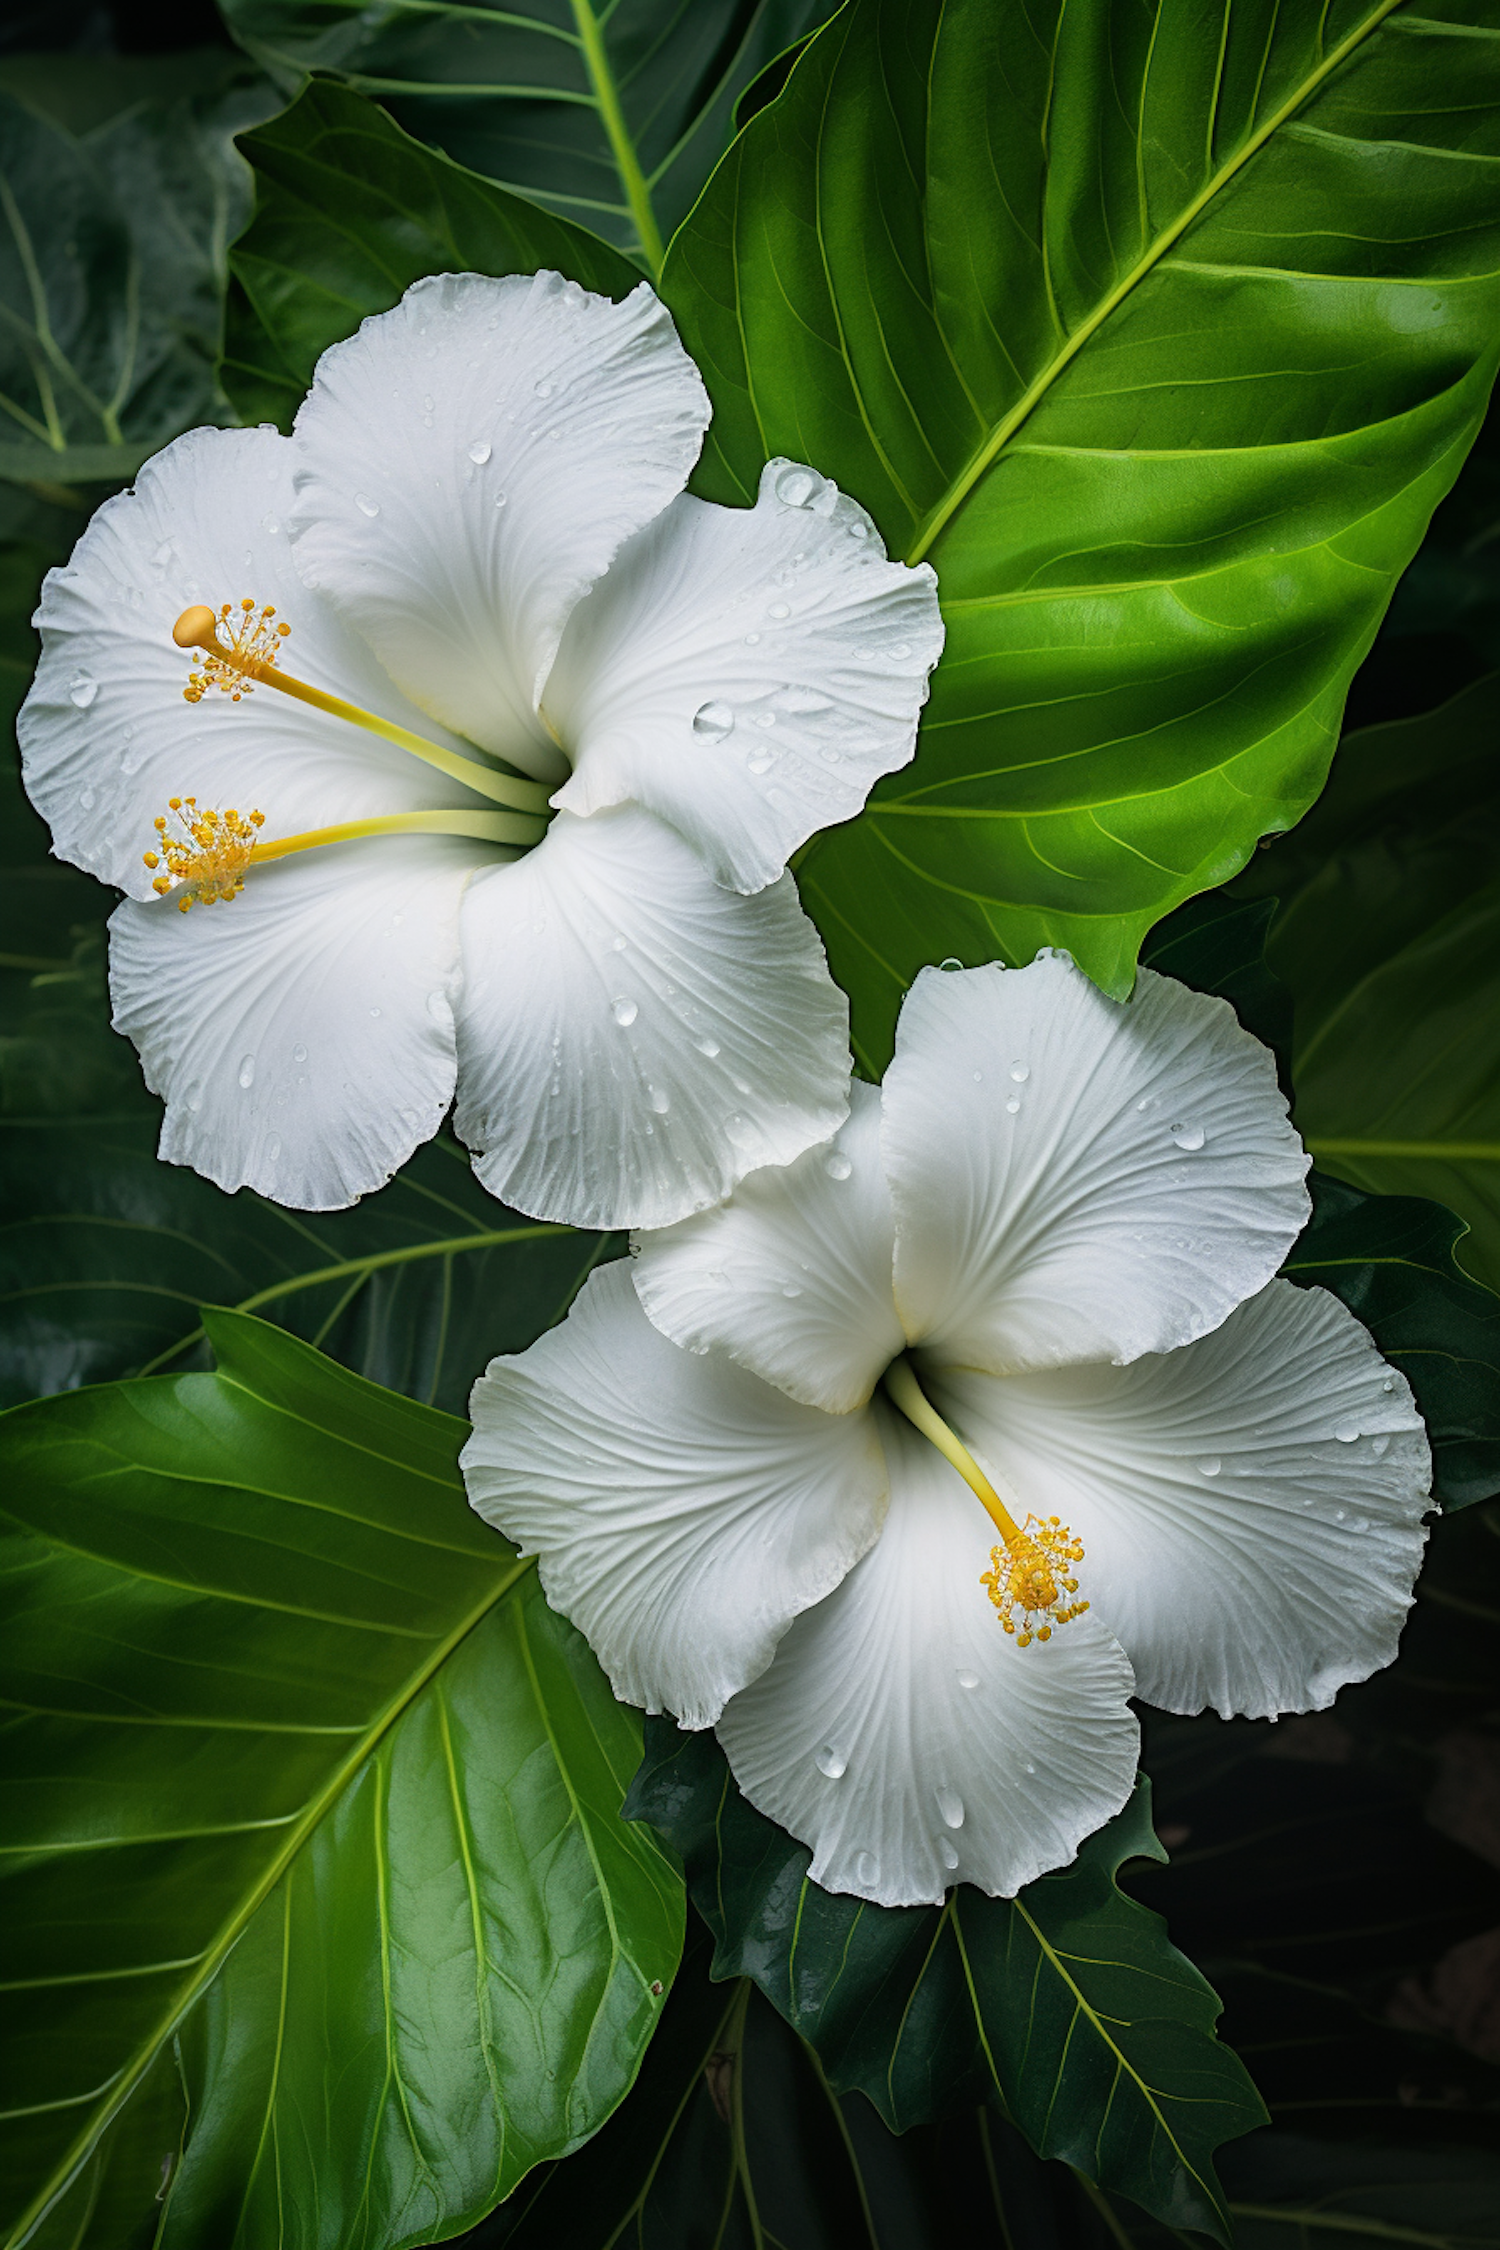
477 747
940 1443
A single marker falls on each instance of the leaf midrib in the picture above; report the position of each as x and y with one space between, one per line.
214 1955
941 513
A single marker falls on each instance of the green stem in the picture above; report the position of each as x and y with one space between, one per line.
606 94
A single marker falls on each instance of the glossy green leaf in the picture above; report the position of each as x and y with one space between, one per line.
112 267
1389 939
1159 333
611 115
303 1767
1068 2004
1389 1258
348 213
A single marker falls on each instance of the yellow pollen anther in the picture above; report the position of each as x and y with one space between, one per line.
1031 1572
1031 1575
207 854
238 650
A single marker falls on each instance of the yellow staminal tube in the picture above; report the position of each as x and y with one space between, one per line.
252 655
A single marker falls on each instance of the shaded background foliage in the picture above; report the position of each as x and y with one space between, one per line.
1336 1878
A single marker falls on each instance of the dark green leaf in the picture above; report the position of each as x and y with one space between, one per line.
112 267
1389 939
302 1765
1159 333
349 212
612 115
1068 2005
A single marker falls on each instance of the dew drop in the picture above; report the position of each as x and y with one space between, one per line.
1380 1447
87 800
968 1679
1389 1384
625 1013
1348 1430
82 690
1019 1073
900 650
979 1077
952 962
1030 1768
737 1126
837 1165
779 610
659 1101
858 529
760 761
831 1762
947 1854
795 487
1190 1137
365 505
164 554
707 1046
867 1870
790 1289
712 721
752 640
247 1071
439 1008
617 943
950 1805
299 1053
544 390
273 1147
1210 1467
479 452
499 499
1013 1105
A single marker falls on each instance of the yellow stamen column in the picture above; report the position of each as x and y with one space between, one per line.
1031 1571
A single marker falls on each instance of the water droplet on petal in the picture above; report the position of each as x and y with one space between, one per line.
1019 1073
760 761
779 610
544 390
790 1289
1380 1446
617 943
952 962
1389 1384
947 1854
968 1679
1210 1467
87 800
659 1101
837 1165
365 505
752 640
712 721
299 1053
247 1071
979 1077
1190 1137
625 1012
867 1870
273 1147
479 452
859 529
795 487
164 554
831 1762
82 690
707 1046
1013 1105
900 650
1348 1430
950 1805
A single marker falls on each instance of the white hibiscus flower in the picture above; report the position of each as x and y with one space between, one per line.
516 824
1045 1246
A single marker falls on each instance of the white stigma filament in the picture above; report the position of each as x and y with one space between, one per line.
242 650
1030 1573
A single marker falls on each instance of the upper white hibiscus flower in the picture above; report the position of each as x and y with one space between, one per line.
468 590
989 1415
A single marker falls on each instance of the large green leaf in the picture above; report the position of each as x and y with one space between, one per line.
112 268
1159 332
303 1768
613 115
1389 938
348 213
1068 2004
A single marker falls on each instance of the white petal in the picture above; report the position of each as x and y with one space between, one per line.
910 1741
106 735
682 1511
468 464
748 674
633 1039
1076 1178
792 1276
302 1033
1250 1506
